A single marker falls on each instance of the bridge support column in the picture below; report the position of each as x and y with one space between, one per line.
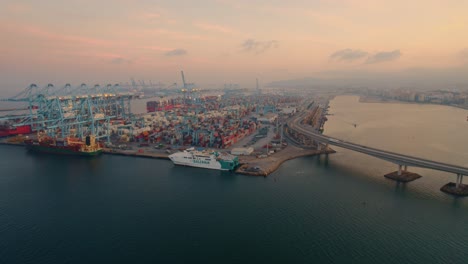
402 174
459 180
457 188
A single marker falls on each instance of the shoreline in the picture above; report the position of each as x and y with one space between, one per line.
149 155
263 166
376 99
270 164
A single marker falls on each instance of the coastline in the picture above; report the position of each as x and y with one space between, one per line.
270 164
264 166
376 99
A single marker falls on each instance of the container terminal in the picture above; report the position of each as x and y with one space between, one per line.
251 124
251 132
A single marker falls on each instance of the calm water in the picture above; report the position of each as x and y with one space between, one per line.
341 210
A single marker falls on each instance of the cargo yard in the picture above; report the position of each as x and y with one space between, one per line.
247 124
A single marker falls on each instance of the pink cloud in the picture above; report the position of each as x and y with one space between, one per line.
177 34
234 4
61 47
150 15
213 27
40 32
154 14
157 48
90 54
18 8
330 20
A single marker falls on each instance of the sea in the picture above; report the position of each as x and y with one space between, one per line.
335 209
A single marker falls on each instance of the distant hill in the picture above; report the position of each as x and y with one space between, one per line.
414 78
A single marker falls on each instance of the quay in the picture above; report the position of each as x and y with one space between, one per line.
249 164
265 166
141 154
251 121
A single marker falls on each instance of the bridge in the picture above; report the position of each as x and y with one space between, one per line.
403 161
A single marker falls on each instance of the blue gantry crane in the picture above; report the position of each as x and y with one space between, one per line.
71 111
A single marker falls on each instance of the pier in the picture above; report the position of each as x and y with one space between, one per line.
249 165
265 166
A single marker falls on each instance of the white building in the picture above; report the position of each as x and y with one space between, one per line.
268 118
242 151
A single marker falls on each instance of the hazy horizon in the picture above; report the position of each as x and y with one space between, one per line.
222 41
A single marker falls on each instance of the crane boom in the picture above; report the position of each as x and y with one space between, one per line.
183 79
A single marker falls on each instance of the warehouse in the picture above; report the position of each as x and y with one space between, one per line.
242 151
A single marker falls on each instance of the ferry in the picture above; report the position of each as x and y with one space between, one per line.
205 159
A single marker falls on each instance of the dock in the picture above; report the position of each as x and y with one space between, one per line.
141 154
250 165
253 166
213 122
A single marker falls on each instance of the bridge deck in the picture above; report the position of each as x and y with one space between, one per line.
394 157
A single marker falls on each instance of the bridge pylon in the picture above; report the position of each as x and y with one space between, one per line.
459 180
456 188
402 174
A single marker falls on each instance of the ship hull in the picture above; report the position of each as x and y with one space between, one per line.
204 160
62 151
204 166
6 132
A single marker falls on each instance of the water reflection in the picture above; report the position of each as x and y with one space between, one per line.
400 187
412 129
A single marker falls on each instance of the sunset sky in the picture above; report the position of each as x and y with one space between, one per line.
224 41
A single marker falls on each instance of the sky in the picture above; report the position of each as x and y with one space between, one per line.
227 41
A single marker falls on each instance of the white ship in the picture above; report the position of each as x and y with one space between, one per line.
205 159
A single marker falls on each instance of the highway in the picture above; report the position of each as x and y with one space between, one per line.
396 158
